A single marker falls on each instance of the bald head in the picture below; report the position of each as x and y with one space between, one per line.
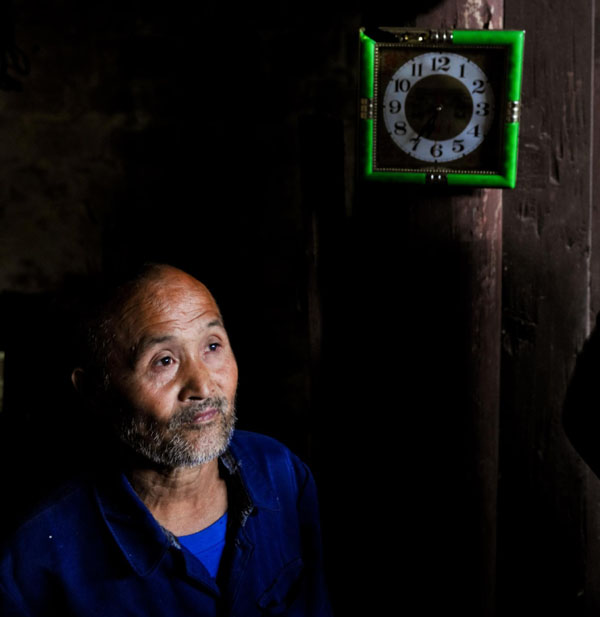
116 305
152 303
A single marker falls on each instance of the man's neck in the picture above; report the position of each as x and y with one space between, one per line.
183 500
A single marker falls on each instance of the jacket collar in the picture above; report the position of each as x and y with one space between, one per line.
254 482
138 534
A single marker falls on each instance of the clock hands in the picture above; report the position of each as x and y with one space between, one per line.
429 126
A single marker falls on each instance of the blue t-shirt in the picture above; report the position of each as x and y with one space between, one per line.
208 544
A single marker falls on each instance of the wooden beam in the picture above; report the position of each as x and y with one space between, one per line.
476 220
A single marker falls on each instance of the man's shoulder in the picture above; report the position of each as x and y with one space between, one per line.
58 512
257 442
262 457
247 446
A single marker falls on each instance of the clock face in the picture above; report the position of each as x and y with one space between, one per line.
438 107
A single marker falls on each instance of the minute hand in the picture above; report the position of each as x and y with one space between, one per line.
430 124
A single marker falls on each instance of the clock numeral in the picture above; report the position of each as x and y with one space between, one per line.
417 70
462 70
457 145
440 64
474 131
436 151
479 87
402 85
395 106
483 109
400 128
416 141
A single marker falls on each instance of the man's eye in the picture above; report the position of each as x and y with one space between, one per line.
166 361
214 346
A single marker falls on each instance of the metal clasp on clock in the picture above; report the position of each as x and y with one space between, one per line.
416 35
436 178
366 109
513 111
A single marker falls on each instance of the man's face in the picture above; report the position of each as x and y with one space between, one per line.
173 374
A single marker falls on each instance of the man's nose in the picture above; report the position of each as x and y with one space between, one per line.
196 382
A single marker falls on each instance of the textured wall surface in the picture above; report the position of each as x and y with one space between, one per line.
546 317
60 165
132 109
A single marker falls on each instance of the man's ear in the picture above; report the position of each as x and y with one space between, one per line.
79 379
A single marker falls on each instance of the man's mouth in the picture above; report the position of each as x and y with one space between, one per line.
199 414
205 416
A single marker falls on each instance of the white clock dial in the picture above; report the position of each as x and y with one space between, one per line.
438 106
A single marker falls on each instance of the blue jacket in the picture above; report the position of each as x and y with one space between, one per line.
96 550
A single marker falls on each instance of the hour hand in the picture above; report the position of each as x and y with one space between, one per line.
429 126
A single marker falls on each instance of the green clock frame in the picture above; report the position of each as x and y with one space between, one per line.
502 171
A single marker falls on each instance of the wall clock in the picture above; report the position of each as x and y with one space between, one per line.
440 107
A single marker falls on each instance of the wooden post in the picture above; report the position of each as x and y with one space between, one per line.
476 226
431 277
543 499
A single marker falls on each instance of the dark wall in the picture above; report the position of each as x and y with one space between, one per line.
179 134
173 132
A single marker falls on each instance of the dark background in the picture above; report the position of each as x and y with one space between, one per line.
413 345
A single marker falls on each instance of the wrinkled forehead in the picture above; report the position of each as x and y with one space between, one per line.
168 298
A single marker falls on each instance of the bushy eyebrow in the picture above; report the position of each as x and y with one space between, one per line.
215 322
145 343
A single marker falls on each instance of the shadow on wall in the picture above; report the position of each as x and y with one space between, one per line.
581 416
42 430
13 60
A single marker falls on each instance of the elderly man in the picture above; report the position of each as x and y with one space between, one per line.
192 517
